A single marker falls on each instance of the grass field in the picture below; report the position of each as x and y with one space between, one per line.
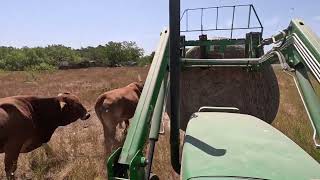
76 151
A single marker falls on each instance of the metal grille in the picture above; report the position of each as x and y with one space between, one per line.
251 9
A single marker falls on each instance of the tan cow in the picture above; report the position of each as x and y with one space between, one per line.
114 109
26 122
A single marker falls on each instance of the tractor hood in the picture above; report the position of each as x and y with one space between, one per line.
237 146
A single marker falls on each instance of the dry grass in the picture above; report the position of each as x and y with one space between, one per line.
76 151
292 118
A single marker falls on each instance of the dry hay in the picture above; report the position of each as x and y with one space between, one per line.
254 93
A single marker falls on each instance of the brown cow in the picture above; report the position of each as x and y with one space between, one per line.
114 109
26 122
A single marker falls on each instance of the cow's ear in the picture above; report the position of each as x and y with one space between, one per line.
139 78
62 104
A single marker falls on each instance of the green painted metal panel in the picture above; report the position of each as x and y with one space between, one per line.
310 98
112 162
129 160
140 125
309 38
229 145
136 167
223 62
158 110
301 48
253 40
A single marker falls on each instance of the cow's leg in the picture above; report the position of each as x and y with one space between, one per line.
31 144
104 120
3 131
12 150
2 143
109 122
109 137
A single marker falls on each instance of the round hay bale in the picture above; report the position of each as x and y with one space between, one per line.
254 93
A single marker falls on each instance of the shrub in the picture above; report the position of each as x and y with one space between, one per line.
41 67
39 58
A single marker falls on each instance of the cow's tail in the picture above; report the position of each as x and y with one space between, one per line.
101 108
98 108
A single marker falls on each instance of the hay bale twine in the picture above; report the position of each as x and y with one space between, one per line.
254 93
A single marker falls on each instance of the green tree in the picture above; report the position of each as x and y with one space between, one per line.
145 60
131 51
42 58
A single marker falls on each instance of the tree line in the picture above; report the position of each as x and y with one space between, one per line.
53 56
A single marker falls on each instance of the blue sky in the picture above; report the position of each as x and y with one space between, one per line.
81 23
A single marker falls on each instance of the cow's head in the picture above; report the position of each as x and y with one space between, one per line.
71 108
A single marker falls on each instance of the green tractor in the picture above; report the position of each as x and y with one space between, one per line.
221 142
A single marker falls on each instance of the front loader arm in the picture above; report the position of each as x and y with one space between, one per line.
129 161
299 49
